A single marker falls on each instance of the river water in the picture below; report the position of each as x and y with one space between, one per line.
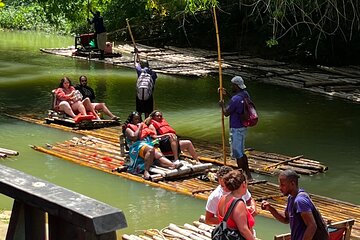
292 122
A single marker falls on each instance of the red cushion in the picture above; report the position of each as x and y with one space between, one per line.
80 118
337 235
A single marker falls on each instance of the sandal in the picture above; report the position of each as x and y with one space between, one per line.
178 165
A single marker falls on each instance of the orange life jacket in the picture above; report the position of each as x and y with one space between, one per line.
146 131
162 127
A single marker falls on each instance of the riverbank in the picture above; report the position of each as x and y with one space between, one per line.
332 82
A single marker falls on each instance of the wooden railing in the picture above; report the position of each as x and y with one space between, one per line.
70 215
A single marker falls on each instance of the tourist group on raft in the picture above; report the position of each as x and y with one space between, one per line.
151 142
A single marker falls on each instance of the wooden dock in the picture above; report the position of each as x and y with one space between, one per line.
342 82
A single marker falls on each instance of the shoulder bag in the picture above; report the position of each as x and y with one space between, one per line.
321 230
222 232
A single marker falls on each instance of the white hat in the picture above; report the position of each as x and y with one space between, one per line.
238 81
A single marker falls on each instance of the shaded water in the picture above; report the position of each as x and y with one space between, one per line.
292 122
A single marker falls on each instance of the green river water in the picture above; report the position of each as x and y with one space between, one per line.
292 122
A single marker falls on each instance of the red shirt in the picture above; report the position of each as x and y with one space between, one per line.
230 222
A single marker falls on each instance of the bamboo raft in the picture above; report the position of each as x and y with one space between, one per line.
334 82
198 230
100 149
195 231
259 162
104 155
4 153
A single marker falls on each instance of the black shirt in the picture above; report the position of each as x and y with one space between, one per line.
86 91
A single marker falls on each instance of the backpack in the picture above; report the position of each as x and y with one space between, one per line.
249 117
144 86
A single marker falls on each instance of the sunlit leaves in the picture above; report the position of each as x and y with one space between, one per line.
200 5
1 4
271 43
166 7
160 8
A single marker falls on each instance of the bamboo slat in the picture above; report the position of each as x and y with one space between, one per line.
9 152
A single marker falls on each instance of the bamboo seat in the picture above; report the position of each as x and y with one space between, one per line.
54 111
337 231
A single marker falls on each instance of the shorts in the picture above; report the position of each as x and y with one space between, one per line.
146 106
237 141
142 151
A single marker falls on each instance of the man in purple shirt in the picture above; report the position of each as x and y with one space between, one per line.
300 210
234 109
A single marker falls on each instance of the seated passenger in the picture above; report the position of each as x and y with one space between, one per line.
68 101
168 138
88 92
141 147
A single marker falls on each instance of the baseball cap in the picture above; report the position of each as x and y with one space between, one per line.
238 81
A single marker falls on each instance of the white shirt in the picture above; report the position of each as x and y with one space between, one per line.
215 196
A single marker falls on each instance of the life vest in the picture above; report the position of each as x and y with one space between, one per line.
146 131
162 127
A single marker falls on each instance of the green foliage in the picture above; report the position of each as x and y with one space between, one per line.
193 6
308 19
306 25
271 42
31 17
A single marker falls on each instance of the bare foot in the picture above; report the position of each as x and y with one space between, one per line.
147 175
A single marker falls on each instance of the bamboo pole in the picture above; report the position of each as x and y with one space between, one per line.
130 32
9 152
283 162
220 85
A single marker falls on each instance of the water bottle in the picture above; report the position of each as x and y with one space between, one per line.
122 145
